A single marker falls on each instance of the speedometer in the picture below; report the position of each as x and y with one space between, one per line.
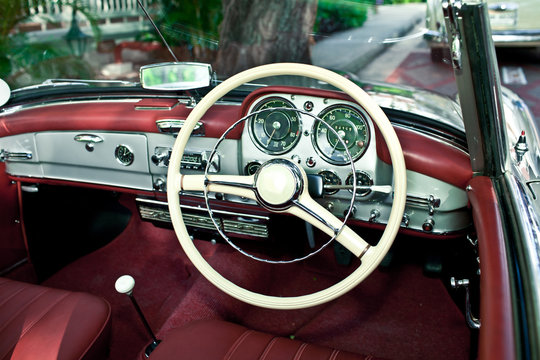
274 129
349 125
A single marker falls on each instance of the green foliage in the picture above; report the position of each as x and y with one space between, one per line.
81 6
403 1
340 15
192 22
23 63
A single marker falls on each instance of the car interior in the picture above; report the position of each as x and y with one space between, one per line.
249 227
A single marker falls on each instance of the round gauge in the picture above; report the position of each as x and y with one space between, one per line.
252 167
124 155
362 179
349 125
330 178
275 130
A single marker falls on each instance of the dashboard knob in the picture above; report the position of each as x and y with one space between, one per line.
159 184
428 225
330 206
353 211
296 159
374 215
406 220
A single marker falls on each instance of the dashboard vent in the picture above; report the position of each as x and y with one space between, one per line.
197 218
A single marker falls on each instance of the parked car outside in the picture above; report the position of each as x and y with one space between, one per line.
513 24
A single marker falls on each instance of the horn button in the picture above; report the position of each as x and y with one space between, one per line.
278 183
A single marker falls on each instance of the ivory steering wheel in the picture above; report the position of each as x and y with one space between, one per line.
288 195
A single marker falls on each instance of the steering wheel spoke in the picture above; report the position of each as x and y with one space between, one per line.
311 211
227 184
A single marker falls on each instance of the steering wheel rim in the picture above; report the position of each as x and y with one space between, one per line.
371 256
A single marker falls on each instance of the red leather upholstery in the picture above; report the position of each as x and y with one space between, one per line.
496 340
43 323
215 339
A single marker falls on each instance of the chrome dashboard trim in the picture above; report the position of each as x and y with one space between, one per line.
189 207
173 126
88 138
9 156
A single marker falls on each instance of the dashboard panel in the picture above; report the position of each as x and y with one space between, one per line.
320 130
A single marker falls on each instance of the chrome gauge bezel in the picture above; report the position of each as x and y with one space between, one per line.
252 167
333 173
315 137
255 138
359 174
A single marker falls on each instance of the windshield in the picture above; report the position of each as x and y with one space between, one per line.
111 40
383 41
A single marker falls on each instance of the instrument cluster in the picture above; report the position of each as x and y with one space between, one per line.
339 132
323 135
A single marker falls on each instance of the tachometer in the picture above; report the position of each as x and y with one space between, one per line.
275 130
349 125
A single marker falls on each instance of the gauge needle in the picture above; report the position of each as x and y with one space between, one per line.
341 135
276 125
270 138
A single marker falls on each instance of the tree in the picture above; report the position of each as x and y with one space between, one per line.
257 32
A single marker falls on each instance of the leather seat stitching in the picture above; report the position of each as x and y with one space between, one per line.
52 306
42 315
105 324
24 307
236 344
11 296
334 355
300 351
17 313
268 348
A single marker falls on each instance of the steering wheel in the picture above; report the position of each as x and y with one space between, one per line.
281 186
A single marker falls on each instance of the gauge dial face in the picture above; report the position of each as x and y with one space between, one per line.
362 179
330 178
349 125
275 130
252 167
124 155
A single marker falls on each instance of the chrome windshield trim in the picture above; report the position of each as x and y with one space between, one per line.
523 227
17 108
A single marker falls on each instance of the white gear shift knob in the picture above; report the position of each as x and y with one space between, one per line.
125 284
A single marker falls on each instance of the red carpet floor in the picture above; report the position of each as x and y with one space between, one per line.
397 313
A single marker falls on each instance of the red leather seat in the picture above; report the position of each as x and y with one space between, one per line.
43 323
213 339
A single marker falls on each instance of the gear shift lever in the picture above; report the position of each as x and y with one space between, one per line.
124 285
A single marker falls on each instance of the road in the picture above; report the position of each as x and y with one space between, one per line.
408 62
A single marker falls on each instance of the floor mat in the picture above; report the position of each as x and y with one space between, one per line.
155 259
395 313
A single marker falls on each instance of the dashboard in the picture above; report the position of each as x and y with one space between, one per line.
326 133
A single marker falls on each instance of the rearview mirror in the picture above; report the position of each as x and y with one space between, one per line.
176 76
